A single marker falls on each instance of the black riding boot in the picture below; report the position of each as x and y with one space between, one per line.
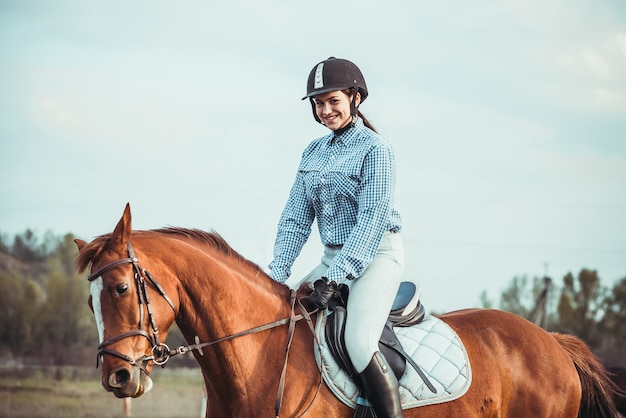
381 387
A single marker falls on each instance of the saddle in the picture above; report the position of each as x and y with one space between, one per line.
407 310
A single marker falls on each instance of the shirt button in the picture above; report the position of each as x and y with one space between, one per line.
322 179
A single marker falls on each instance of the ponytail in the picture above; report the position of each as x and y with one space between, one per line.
350 93
366 122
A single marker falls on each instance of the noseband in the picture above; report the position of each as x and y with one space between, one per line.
160 351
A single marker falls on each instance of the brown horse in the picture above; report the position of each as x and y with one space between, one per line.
214 294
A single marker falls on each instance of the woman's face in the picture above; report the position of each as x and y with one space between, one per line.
333 108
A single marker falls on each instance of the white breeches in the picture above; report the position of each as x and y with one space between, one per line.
371 297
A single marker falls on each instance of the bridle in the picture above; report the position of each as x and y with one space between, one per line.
161 353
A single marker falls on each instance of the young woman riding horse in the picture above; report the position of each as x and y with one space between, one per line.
346 180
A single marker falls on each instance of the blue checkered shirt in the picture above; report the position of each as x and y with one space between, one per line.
347 182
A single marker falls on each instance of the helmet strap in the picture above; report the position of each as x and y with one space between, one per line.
354 110
312 100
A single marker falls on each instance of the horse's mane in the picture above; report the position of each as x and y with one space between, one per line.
212 239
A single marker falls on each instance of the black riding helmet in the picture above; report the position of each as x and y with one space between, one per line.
335 74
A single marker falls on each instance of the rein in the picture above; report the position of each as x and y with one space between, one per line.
293 318
161 353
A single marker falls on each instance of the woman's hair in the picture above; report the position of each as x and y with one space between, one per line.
366 122
349 92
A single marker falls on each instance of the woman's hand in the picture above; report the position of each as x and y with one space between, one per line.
327 294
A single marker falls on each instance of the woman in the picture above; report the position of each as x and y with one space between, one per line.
346 180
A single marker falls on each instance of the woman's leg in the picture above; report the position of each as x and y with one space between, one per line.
370 300
369 304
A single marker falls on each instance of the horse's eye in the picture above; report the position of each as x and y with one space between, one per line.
121 288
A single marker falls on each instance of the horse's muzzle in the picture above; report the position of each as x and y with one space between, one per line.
127 381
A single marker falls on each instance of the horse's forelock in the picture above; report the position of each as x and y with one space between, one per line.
90 252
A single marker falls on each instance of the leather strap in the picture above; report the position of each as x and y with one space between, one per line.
290 332
394 346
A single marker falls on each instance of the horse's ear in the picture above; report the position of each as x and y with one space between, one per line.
122 231
80 243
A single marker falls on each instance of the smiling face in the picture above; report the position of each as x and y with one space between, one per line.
333 108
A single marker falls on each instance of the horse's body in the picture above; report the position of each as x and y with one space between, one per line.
518 369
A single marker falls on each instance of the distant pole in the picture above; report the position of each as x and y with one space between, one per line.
203 411
126 405
539 314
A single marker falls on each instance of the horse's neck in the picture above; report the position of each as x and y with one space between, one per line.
220 301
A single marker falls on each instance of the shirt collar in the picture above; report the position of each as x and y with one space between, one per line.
345 135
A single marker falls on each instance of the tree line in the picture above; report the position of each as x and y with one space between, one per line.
44 313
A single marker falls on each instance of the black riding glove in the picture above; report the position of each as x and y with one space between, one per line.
327 294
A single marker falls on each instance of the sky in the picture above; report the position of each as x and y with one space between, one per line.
508 120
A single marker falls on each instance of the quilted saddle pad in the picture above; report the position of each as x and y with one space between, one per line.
434 346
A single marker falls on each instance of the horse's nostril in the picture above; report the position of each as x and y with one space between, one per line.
122 376
119 379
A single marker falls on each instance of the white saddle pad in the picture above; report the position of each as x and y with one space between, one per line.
434 346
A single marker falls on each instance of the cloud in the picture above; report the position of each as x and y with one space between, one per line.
578 52
596 63
597 74
56 110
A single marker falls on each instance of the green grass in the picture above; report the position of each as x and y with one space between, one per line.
176 393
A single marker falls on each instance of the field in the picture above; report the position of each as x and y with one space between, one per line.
76 393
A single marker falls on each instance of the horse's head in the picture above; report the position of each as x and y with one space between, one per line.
132 310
